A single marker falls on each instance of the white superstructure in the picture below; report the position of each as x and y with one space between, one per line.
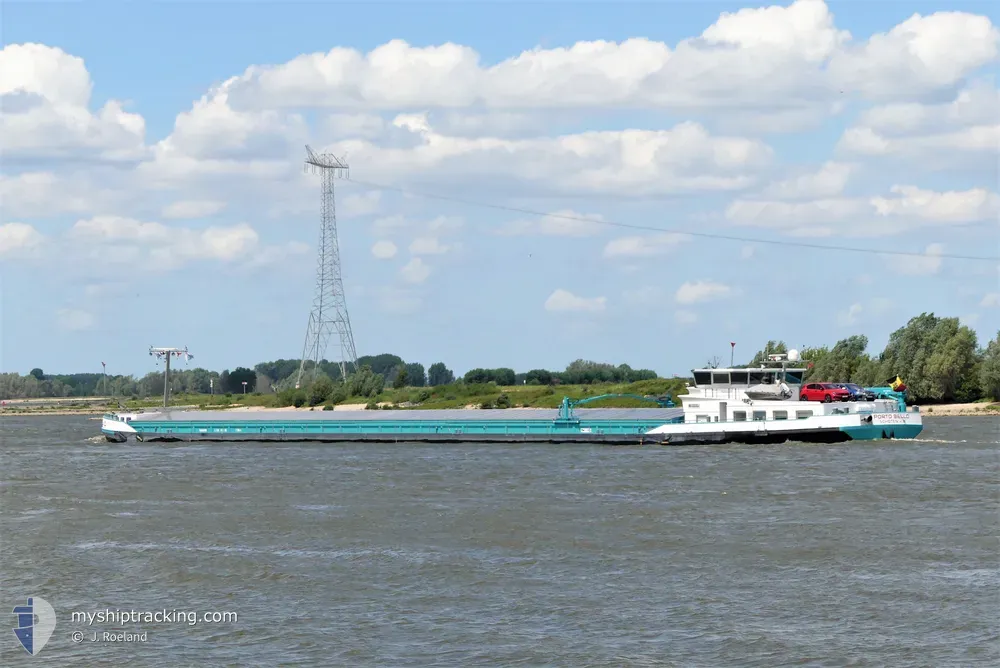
762 403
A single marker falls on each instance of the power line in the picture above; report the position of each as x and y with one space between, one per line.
650 228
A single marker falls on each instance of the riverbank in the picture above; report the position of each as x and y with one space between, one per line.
15 408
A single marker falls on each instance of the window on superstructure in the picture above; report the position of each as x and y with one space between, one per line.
780 415
793 377
702 378
801 415
720 378
759 416
739 377
739 416
756 377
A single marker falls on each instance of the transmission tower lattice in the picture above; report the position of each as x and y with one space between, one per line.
329 308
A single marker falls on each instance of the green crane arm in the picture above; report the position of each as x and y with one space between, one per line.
566 409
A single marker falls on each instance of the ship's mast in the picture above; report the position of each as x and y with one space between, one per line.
165 354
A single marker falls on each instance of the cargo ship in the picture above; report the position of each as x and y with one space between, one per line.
723 405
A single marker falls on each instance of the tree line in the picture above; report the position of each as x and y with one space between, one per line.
939 359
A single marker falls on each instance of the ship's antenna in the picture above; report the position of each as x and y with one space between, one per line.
329 309
165 354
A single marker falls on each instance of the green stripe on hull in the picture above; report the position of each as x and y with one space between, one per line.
876 432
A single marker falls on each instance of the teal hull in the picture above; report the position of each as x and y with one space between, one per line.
878 432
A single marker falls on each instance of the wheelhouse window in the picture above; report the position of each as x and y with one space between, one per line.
739 377
702 378
720 378
756 377
793 377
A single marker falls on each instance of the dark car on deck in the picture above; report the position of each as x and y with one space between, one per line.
857 392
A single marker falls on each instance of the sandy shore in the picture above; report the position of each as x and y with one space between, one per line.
950 410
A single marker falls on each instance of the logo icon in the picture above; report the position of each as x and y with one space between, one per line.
35 623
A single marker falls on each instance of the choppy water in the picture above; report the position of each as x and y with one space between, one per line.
864 554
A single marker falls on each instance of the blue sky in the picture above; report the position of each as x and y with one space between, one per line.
153 192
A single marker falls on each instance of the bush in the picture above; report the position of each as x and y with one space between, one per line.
371 405
486 405
503 401
328 407
299 400
339 395
320 390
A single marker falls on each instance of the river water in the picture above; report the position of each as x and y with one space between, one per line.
860 554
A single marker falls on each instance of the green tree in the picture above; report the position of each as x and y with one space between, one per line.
841 363
439 374
415 375
366 383
989 370
37 373
234 382
935 357
401 378
320 390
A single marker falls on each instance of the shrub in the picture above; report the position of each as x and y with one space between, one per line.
503 401
320 390
299 400
371 405
328 407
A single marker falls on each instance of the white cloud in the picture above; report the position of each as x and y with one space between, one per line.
18 239
562 223
650 245
953 207
75 320
926 264
46 95
565 301
828 181
428 246
701 291
911 130
910 207
360 204
990 300
384 249
850 316
152 245
42 194
415 271
193 209
685 317
637 163
773 58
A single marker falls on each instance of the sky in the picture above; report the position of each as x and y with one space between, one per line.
530 184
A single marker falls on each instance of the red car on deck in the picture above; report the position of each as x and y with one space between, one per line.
825 392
